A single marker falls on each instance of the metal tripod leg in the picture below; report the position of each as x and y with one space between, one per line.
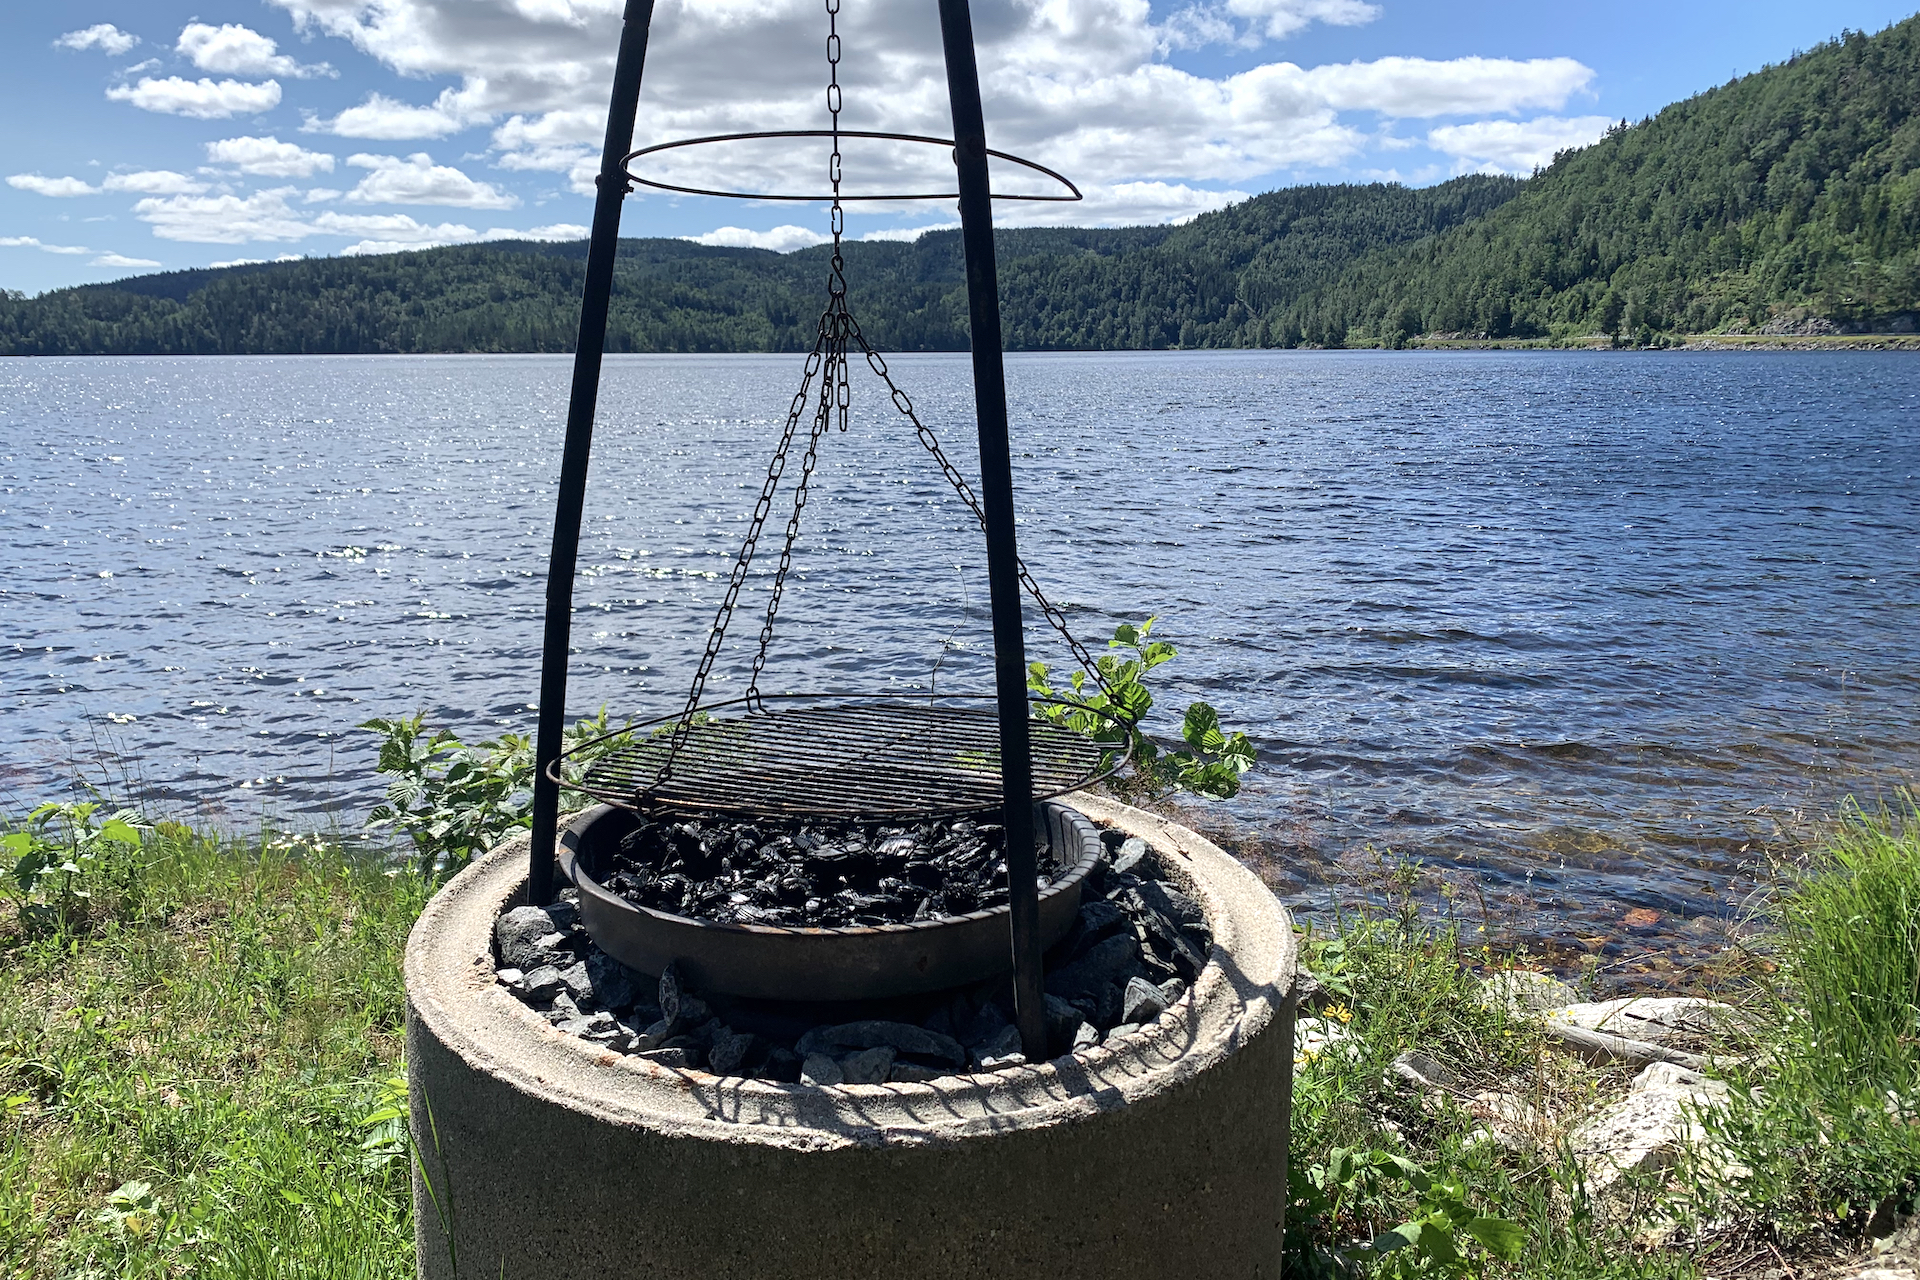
573 462
996 498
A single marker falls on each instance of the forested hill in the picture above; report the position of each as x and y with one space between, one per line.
1793 192
1126 287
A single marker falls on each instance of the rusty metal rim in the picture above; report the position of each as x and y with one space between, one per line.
584 881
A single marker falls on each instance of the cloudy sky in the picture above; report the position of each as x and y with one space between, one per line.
160 135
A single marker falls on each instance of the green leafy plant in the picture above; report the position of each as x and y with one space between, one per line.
63 851
1356 1188
1209 763
455 799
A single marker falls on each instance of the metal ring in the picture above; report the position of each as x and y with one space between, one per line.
626 168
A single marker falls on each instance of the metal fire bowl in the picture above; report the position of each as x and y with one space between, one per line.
773 963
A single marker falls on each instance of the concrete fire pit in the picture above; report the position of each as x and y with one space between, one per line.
1162 1153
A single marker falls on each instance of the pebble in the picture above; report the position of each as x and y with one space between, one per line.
902 1037
542 984
1135 946
870 1066
679 1059
1142 1001
731 1052
516 935
818 1068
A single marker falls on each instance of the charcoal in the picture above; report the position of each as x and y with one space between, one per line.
1124 1029
820 874
512 979
1173 989
1111 839
1132 850
563 913
1085 1036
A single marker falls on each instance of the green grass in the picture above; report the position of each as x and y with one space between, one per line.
1404 987
204 1040
1834 1134
188 1061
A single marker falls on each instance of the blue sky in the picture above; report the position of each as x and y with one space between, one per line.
159 135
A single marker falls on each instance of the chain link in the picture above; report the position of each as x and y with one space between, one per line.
837 333
903 403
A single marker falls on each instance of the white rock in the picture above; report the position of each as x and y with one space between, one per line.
1655 1019
1524 992
1645 1130
1315 1036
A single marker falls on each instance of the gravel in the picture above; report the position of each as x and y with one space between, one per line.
1135 947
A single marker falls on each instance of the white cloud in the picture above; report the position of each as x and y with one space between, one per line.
154 182
418 180
1515 146
553 232
201 99
269 157
103 36
1458 86
57 187
28 242
121 260
1081 85
249 262
226 219
232 49
1278 19
320 195
392 121
781 239
908 233
270 216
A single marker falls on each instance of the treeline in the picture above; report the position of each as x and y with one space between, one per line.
1794 191
1129 287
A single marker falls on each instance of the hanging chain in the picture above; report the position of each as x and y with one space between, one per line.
903 403
837 333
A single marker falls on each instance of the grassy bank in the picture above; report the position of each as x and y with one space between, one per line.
191 1054
187 1059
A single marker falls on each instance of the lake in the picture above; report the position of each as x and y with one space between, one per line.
1591 633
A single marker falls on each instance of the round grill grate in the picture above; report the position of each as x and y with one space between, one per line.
876 763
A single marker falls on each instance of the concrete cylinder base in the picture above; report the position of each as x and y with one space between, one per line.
1161 1154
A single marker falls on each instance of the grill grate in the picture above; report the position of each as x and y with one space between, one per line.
874 763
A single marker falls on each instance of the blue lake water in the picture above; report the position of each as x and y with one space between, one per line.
1591 631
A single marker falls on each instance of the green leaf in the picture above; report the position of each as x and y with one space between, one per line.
1201 728
1503 1239
119 831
